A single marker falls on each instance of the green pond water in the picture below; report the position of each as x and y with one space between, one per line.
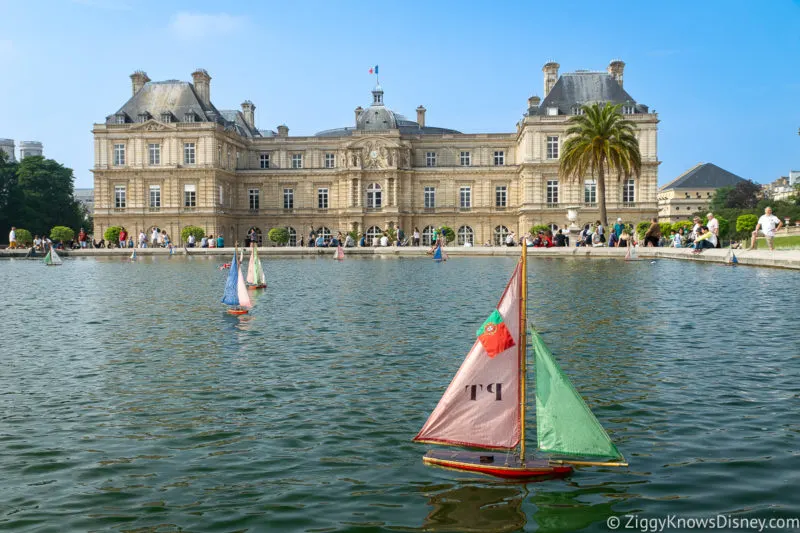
130 401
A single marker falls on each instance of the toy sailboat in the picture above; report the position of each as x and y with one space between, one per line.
439 255
484 405
339 254
730 259
255 273
235 289
133 255
631 254
52 258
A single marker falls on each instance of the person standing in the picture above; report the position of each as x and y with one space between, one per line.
142 239
12 238
123 238
510 239
190 241
769 224
713 226
653 234
416 236
82 236
619 227
401 236
600 231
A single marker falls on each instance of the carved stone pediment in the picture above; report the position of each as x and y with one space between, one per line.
376 153
153 125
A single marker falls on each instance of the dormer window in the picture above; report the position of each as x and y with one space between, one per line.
577 110
552 111
166 117
142 117
119 118
627 110
189 117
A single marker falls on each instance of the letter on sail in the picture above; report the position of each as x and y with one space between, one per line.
481 407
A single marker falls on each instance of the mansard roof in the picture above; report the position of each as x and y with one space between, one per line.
179 98
575 89
704 176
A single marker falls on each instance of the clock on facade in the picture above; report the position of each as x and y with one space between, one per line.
373 154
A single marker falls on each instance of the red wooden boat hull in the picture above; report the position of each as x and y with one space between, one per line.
237 311
497 464
251 287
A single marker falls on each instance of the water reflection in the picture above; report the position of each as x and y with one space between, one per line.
477 508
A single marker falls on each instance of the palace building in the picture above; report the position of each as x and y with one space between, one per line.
169 158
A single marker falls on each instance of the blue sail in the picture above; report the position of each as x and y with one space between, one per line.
437 254
734 260
231 296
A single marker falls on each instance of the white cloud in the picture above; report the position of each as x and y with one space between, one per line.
189 26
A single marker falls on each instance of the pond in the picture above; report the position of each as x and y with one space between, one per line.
130 401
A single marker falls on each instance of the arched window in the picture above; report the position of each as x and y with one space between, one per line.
500 233
373 196
292 236
373 233
258 237
466 235
427 235
324 232
553 227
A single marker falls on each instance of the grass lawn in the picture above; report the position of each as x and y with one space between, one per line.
781 243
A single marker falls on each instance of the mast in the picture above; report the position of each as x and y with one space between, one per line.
523 302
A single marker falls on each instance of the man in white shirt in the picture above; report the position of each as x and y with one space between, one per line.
12 238
384 240
154 237
769 224
713 226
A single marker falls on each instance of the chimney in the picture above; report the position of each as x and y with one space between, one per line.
550 70
138 79
359 110
615 69
421 116
249 112
283 130
534 101
202 84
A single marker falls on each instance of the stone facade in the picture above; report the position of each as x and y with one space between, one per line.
154 166
691 192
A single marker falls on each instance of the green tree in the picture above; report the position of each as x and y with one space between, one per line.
197 231
744 195
279 236
539 227
745 224
111 235
449 234
24 237
666 227
600 141
720 199
687 225
10 197
47 195
61 233
642 227
724 226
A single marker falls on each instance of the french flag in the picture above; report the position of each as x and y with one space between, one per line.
373 70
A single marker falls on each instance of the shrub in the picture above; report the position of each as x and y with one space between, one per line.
197 231
353 235
279 236
61 233
666 227
111 234
687 226
642 227
449 234
24 237
746 223
539 227
724 226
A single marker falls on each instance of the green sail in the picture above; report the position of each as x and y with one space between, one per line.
564 423
258 273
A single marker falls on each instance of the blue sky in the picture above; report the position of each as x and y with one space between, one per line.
724 76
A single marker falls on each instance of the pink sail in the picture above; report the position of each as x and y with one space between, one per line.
241 289
339 253
481 406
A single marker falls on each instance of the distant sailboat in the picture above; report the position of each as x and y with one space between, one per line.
484 405
631 254
255 273
439 255
52 258
730 259
339 254
133 255
235 289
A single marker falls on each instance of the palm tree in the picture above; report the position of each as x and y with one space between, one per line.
600 141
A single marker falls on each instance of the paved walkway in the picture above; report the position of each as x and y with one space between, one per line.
780 258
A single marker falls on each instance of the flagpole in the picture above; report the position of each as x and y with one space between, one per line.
523 345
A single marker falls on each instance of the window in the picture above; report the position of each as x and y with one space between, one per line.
264 160
430 197
292 236
590 192
254 198
629 192
372 234
155 196
430 159
500 196
322 198
166 117
189 195
330 160
188 153
552 193
142 117
119 155
324 232
627 110
119 197
552 147
577 110
427 235
465 159
465 235
552 111
119 119
500 233
465 197
297 160
220 195
499 158
374 196
288 198
188 117
154 151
